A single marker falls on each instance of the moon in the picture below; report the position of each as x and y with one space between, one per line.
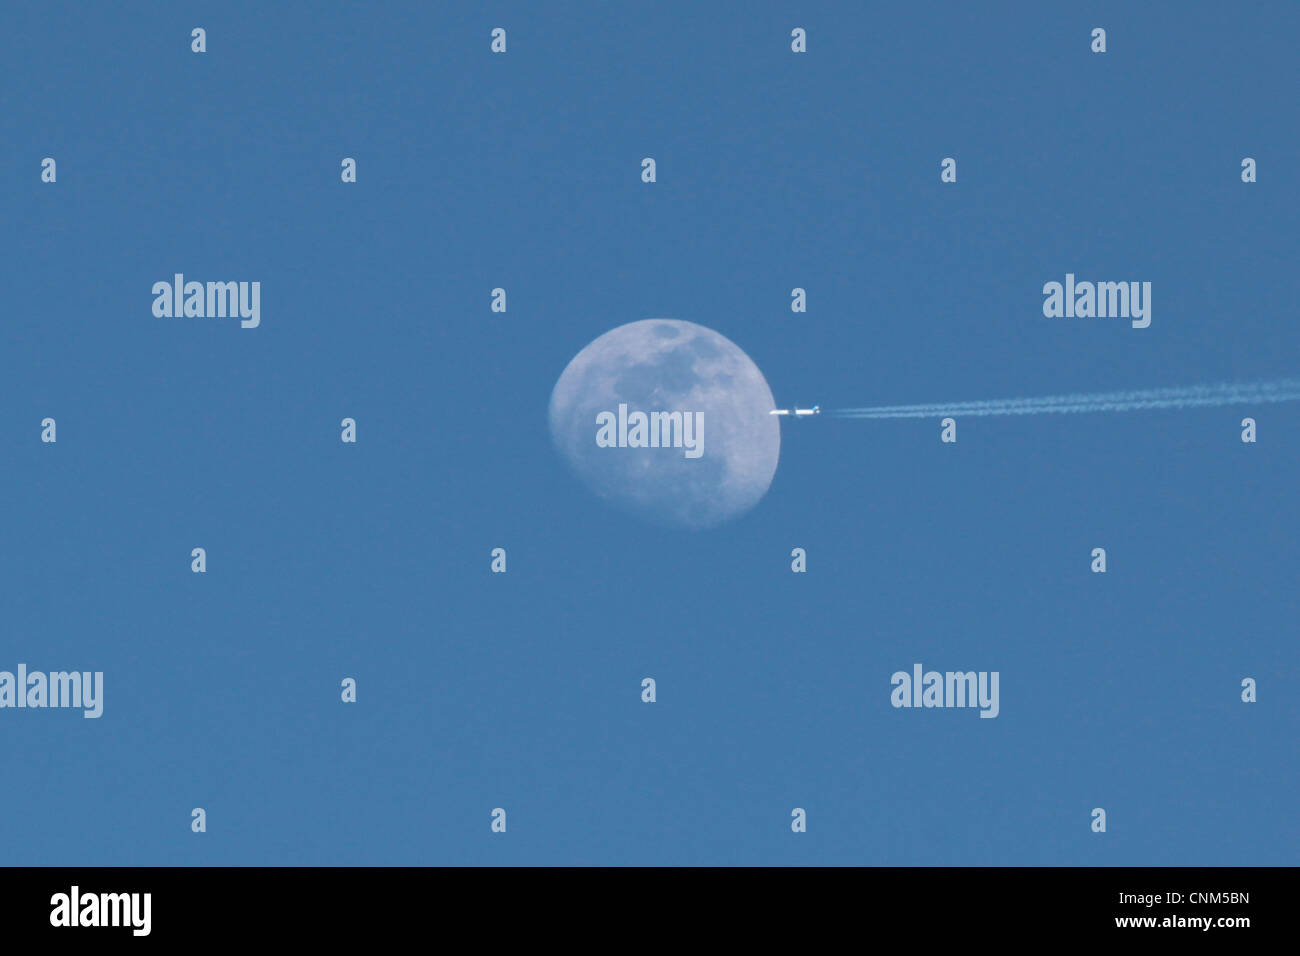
659 365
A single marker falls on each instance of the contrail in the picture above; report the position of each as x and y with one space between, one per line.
1186 396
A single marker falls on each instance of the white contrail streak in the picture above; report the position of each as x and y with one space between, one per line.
1187 396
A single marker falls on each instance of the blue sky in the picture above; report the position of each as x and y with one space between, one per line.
522 690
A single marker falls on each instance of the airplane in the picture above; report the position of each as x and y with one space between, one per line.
797 412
